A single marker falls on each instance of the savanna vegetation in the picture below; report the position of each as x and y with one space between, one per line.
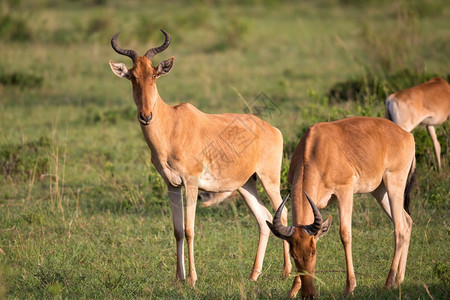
83 213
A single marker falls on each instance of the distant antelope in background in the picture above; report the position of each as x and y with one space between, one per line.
427 103
334 161
215 153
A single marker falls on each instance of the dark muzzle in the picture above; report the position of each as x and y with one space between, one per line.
145 120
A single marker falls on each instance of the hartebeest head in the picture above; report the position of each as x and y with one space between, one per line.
302 240
143 76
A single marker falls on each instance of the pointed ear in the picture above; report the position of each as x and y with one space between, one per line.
119 69
164 67
324 229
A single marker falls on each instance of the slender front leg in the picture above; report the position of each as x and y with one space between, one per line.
191 204
345 217
436 145
176 203
296 285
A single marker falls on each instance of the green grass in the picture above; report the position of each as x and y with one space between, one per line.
83 214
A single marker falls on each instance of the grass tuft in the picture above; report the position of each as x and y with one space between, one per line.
23 161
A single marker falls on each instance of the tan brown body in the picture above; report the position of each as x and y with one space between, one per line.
337 160
194 150
427 104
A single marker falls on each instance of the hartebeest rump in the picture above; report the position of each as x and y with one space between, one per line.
337 160
427 104
216 153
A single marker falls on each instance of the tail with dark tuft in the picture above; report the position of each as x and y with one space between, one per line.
391 111
387 113
409 185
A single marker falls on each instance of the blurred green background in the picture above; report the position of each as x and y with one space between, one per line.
83 214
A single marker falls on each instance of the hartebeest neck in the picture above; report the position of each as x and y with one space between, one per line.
301 212
301 209
157 133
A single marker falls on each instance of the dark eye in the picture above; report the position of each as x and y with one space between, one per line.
154 76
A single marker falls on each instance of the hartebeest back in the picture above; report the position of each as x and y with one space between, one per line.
216 153
427 103
337 160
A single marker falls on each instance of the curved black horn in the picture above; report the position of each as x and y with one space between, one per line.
278 229
130 53
152 52
314 228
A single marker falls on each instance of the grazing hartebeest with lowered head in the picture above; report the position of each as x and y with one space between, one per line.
337 160
427 103
216 153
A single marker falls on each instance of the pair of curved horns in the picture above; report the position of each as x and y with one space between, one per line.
286 232
133 54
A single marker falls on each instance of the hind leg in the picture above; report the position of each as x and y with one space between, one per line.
382 197
403 259
250 194
213 199
272 188
436 145
402 228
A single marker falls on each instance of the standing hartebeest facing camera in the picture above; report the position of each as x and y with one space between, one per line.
337 160
215 153
427 103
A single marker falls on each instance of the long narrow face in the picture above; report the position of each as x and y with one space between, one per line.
303 251
302 241
143 76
